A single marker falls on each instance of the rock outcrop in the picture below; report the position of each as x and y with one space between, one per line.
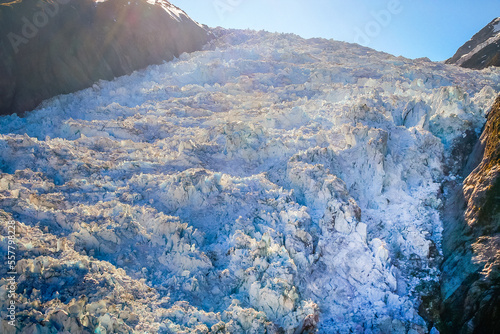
471 272
57 47
482 50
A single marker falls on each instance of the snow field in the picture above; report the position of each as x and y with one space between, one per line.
266 183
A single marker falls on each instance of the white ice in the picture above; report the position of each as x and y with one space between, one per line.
266 182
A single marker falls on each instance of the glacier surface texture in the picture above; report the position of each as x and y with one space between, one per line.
265 184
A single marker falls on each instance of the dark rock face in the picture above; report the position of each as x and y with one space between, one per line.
482 51
57 47
471 271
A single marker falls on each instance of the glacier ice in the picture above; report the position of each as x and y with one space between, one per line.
268 183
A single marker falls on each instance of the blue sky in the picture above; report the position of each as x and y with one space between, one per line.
419 28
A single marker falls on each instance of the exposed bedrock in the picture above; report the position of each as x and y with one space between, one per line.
57 47
482 50
471 272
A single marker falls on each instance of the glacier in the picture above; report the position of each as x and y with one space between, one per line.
267 184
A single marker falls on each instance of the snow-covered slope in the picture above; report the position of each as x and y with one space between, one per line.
482 50
267 183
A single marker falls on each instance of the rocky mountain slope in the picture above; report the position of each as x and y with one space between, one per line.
57 47
470 286
482 50
265 184
471 272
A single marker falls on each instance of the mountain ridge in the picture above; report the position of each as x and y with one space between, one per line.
482 50
59 47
